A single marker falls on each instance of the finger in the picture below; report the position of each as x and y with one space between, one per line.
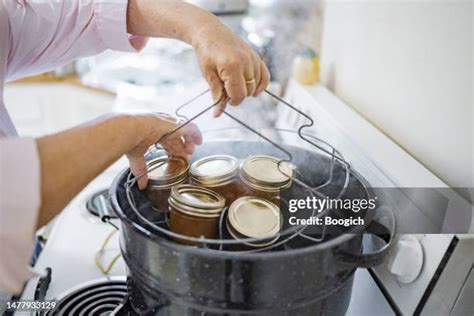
257 70
236 89
250 80
216 85
175 147
192 132
234 83
218 93
139 169
189 147
183 141
191 136
264 80
219 109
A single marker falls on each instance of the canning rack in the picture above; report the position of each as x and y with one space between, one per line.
285 235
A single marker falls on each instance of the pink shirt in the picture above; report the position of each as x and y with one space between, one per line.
36 36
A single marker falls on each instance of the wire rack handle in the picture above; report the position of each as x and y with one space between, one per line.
334 154
295 231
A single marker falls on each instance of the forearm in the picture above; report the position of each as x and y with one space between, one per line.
71 159
227 63
167 18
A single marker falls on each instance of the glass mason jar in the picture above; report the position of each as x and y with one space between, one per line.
263 178
195 211
220 174
164 173
254 217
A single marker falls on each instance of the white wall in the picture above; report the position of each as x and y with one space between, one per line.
407 67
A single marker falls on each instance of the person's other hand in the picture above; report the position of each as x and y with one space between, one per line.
229 65
151 128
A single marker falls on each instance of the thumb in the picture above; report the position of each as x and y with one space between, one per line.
139 169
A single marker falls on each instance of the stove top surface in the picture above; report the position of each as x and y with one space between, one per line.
98 297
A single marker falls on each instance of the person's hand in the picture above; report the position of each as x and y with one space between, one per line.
153 127
229 65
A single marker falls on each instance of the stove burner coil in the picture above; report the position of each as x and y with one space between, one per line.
98 297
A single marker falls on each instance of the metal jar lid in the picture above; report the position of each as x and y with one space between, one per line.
237 236
166 171
255 217
215 170
262 173
196 201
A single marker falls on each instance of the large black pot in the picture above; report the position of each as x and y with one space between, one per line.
301 279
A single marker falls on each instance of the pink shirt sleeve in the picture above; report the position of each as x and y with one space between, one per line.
19 203
47 33
38 36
